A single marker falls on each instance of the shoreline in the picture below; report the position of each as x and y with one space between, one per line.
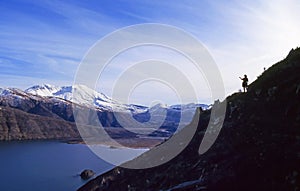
132 143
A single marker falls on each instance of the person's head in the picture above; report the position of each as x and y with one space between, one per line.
245 76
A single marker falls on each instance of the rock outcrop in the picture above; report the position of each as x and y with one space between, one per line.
87 174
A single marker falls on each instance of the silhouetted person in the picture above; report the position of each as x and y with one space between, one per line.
245 82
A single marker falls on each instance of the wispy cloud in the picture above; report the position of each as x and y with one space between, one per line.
48 42
45 40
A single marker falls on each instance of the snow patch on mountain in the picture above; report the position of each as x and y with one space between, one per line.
84 96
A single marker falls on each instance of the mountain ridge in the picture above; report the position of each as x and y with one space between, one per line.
257 148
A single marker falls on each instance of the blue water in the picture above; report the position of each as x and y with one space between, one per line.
47 166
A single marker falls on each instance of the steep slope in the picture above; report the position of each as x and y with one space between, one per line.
19 125
258 147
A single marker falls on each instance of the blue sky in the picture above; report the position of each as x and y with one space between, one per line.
44 41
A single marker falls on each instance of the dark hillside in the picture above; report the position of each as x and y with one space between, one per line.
257 149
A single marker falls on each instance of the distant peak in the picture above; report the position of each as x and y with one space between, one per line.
48 86
43 86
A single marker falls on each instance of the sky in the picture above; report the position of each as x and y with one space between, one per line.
45 41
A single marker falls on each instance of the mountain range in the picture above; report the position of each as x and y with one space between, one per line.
45 112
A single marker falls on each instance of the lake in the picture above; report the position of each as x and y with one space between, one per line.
51 165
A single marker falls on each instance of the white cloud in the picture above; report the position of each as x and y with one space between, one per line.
242 36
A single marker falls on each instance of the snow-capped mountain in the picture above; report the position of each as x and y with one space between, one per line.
84 96
90 97
14 97
44 90
66 92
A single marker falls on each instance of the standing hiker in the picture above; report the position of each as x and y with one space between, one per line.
245 82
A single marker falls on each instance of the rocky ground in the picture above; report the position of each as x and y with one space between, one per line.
257 149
